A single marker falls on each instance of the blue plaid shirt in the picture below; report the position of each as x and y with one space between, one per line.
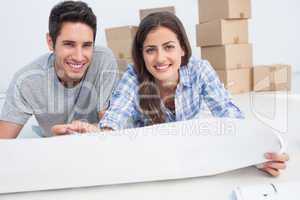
198 84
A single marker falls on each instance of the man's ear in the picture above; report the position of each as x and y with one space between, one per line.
50 42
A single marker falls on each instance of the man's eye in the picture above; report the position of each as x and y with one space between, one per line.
68 44
87 45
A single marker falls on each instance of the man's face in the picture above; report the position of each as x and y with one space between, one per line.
73 51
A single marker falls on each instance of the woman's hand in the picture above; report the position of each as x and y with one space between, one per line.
276 163
74 127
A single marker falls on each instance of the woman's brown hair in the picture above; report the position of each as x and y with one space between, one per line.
149 98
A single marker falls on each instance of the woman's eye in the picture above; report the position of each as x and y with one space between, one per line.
150 50
169 47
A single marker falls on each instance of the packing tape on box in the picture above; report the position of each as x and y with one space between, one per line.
242 66
122 56
236 40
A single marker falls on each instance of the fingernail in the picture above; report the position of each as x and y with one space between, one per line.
260 166
268 155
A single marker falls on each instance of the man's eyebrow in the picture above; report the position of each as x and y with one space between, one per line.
89 43
68 41
73 42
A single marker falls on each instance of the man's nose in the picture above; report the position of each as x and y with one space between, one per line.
78 54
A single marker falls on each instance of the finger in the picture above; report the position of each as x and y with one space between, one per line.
85 127
271 171
93 128
59 129
75 122
73 128
277 157
275 165
79 126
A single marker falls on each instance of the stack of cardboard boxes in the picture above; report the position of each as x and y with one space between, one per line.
120 39
222 34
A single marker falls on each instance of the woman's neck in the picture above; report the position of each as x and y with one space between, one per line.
167 92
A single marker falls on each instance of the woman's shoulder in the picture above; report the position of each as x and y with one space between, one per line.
198 67
129 80
197 64
130 74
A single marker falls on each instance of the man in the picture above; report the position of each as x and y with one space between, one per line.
73 82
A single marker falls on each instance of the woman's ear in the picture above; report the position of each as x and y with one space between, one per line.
50 42
182 52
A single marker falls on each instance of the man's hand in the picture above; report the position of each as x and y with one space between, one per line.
74 127
277 162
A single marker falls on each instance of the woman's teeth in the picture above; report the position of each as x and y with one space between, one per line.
161 67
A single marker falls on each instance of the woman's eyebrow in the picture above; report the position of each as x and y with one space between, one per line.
151 46
166 43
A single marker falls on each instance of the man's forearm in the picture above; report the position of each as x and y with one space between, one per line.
9 130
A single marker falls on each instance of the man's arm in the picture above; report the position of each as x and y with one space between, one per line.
9 130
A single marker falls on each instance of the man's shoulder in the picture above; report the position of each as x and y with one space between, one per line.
103 52
103 60
41 63
35 69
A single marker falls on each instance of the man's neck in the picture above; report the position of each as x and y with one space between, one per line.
69 83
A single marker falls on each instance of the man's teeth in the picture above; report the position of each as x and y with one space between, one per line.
76 66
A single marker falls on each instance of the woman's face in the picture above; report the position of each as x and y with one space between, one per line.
162 55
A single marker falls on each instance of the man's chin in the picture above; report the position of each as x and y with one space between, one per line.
73 79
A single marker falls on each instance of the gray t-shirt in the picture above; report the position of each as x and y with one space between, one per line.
36 90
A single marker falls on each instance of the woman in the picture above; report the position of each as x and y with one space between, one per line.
166 85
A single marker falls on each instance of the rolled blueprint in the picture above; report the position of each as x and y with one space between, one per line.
193 148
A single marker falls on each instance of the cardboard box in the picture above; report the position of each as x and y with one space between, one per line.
145 12
237 80
120 33
221 32
272 78
120 40
232 56
224 9
121 48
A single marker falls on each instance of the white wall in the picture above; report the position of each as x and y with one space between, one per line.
274 29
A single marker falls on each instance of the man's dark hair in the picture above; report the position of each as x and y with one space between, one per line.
70 11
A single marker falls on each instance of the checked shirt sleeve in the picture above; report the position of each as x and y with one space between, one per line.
122 106
215 95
